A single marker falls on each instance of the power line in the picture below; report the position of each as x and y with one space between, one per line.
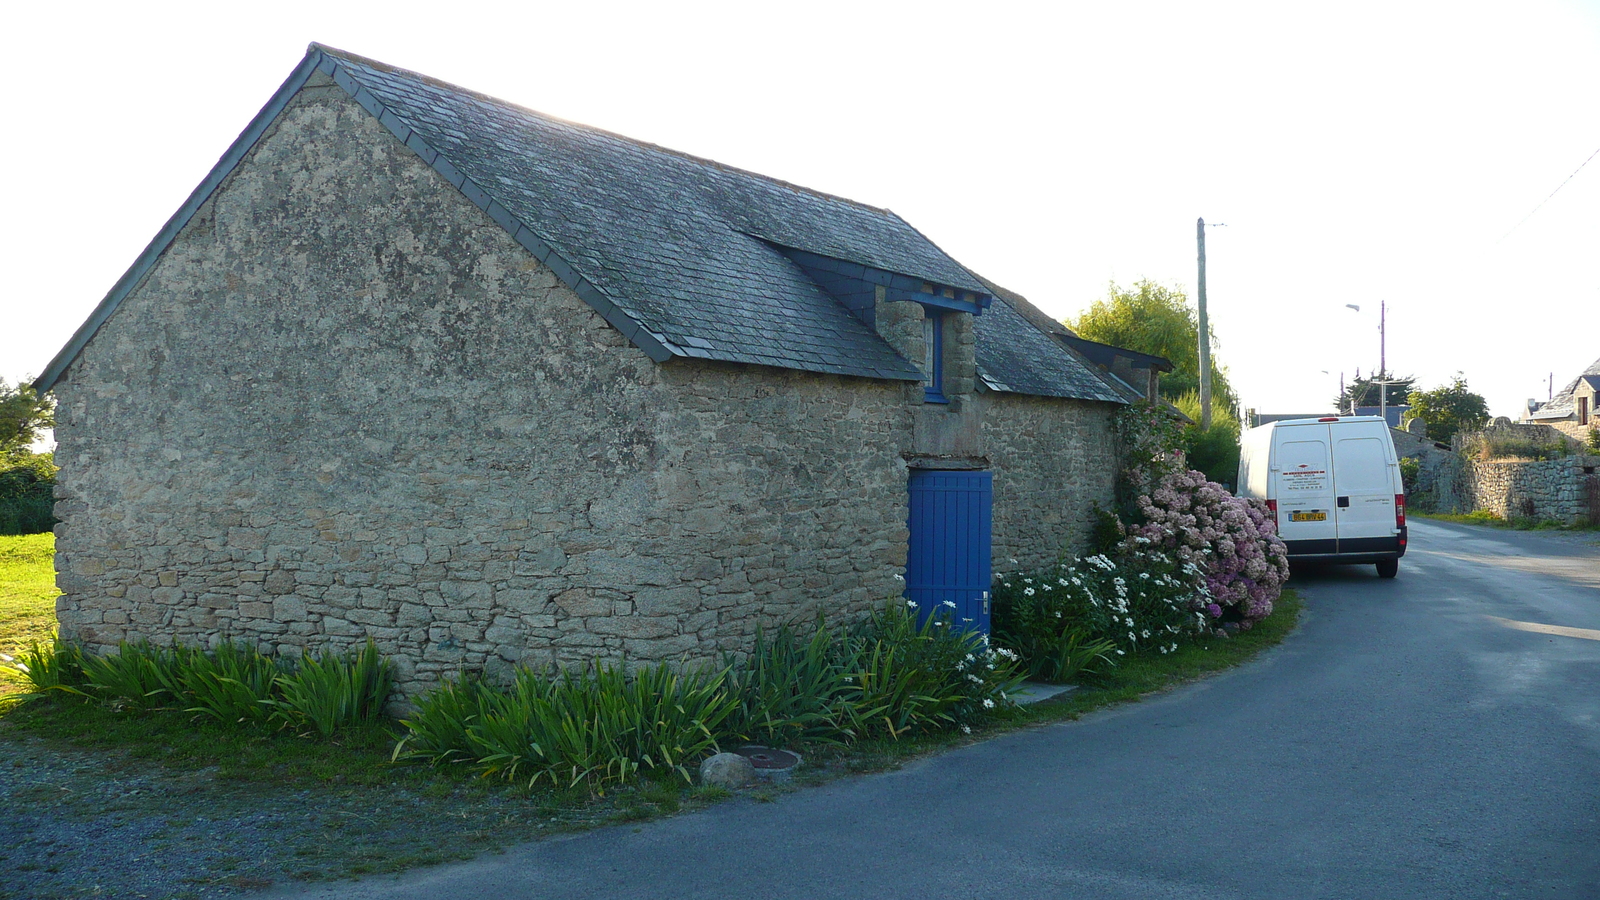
1552 194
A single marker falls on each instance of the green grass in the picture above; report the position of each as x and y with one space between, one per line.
1492 520
27 597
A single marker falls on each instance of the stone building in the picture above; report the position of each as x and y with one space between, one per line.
489 388
1572 410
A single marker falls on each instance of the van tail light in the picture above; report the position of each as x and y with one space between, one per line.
1273 506
1400 516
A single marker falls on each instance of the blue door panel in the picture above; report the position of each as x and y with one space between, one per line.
948 560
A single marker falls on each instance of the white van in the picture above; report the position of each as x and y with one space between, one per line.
1334 485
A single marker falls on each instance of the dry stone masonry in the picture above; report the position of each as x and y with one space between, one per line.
345 405
1561 490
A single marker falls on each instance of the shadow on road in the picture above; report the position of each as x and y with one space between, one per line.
1302 574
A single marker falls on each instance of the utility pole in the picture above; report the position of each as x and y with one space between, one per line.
1383 337
1205 333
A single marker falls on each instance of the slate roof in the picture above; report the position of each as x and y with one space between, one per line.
1017 354
679 245
1563 404
686 257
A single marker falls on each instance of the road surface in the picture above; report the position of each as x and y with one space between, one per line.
1432 736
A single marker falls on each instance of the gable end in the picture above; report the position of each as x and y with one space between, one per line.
654 346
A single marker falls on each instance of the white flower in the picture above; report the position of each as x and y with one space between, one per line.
1028 591
966 729
987 703
899 577
911 603
949 603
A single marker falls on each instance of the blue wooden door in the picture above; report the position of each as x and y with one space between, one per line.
948 561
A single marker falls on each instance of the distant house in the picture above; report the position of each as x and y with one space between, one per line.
1393 414
1572 410
419 366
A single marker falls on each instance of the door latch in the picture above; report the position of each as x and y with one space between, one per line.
986 603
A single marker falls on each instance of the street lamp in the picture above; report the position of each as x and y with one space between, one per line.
1383 367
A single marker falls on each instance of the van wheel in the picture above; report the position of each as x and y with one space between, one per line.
1388 568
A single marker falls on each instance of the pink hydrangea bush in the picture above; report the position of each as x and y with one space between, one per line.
1234 541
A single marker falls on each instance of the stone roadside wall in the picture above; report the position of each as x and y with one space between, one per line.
345 405
1432 460
1558 490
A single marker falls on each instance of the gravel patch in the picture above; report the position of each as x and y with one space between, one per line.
93 823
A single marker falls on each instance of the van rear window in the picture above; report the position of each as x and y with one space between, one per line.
1360 466
1302 467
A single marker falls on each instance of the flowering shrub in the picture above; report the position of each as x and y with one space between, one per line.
1149 438
1136 599
1234 541
921 673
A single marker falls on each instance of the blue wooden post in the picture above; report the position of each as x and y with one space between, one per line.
948 559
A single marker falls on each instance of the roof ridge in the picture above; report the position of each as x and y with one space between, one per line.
580 126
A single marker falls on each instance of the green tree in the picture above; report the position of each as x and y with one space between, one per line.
1214 451
23 414
1154 319
27 492
1449 409
1364 391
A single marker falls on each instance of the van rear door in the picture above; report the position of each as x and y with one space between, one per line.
1306 520
1365 491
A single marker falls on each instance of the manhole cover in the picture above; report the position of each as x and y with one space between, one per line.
768 758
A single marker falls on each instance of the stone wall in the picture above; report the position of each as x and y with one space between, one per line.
1432 459
1558 490
1579 433
1054 461
345 405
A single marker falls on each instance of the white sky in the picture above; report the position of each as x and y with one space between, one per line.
1357 151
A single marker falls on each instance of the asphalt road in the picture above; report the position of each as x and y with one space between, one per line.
1417 738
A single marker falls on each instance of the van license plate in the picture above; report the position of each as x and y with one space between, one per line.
1313 515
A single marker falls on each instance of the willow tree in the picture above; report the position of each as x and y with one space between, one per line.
1151 318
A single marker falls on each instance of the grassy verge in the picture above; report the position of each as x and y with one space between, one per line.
1491 520
183 806
27 596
